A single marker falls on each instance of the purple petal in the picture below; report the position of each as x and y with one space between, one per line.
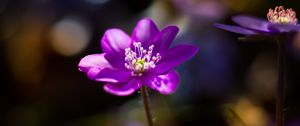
144 32
174 57
284 27
122 89
164 39
109 75
116 60
98 68
251 23
235 29
115 41
164 84
92 61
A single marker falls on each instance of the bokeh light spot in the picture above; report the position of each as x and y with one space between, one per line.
70 36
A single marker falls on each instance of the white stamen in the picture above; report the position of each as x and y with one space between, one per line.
281 15
140 59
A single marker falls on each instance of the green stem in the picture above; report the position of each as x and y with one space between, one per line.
145 99
280 86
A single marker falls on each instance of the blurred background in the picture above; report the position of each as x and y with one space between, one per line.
228 83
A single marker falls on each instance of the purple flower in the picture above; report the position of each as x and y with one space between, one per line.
279 21
142 59
209 9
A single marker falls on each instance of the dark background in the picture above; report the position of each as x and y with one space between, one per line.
228 83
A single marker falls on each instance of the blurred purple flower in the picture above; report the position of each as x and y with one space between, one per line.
142 59
280 20
210 9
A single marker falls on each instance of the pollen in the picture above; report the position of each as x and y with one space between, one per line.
281 15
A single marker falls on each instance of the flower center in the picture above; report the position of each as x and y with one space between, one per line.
140 60
280 15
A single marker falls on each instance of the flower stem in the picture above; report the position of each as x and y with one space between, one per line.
280 86
145 99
